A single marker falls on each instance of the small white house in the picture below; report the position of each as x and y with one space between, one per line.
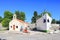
44 23
17 25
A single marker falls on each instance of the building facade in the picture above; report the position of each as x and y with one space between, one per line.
44 23
17 25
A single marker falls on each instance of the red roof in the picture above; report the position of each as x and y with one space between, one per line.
22 21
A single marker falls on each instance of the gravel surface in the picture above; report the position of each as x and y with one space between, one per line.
6 35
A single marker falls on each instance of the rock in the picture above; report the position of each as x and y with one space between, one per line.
57 31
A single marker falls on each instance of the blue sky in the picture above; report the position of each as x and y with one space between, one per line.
29 6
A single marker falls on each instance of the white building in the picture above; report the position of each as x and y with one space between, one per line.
17 25
44 23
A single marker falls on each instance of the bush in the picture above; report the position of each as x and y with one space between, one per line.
44 30
35 29
5 22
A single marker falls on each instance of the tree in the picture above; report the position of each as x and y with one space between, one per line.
53 21
33 20
5 22
39 16
47 12
43 13
58 21
17 14
8 14
22 16
35 16
0 19
7 17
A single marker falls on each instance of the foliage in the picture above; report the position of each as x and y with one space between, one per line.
44 30
17 14
0 19
5 22
43 13
35 14
34 18
7 17
8 14
47 12
53 21
58 22
39 16
20 15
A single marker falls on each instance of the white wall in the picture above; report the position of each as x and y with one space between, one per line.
40 24
48 23
44 26
16 23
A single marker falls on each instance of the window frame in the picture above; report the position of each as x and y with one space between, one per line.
16 26
44 20
11 26
48 20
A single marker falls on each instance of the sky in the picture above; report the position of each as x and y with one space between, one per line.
29 6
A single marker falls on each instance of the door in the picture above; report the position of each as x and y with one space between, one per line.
21 28
13 27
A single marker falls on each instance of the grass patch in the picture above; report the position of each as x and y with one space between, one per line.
44 30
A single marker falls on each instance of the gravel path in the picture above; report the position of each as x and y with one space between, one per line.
6 35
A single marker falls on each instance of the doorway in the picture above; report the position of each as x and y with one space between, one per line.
13 27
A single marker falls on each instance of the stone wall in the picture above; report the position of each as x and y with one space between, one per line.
54 26
0 26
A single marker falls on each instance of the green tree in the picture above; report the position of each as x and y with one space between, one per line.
8 14
0 19
43 13
46 12
33 20
35 16
53 21
5 22
22 16
39 16
58 21
17 14
7 17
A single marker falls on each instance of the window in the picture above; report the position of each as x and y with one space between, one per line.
48 20
44 20
11 26
16 26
